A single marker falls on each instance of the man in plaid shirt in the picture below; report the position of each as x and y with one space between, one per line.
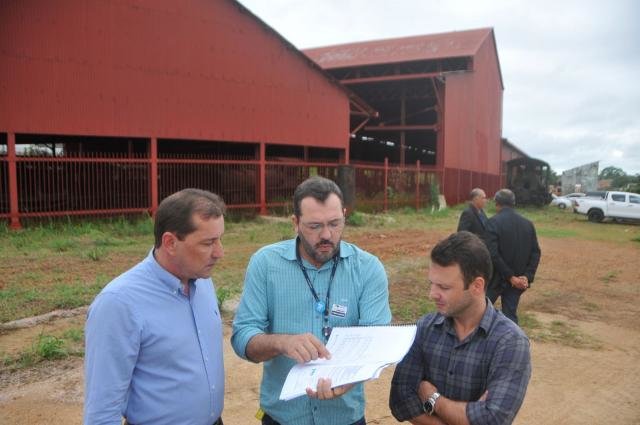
469 364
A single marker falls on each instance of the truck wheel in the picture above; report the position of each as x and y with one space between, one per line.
562 206
595 216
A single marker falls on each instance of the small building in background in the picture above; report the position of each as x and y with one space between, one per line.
580 179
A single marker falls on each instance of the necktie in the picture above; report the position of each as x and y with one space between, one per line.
483 218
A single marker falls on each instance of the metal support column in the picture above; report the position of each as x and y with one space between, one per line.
263 179
403 122
386 183
153 180
14 222
417 185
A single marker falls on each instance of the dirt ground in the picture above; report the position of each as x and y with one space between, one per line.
591 287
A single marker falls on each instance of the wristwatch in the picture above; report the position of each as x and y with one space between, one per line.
429 406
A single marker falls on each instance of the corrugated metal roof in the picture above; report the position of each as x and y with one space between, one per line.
405 49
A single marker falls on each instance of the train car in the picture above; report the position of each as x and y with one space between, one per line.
529 179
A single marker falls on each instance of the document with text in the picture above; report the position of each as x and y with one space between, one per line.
358 353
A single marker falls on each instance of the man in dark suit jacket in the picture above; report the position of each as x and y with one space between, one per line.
515 252
473 219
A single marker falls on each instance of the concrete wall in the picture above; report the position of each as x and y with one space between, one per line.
585 175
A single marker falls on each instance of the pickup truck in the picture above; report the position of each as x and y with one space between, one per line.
617 205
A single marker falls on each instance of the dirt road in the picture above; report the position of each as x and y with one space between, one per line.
594 383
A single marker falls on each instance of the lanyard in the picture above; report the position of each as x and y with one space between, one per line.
320 306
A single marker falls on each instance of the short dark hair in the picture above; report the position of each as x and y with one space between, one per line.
505 198
467 251
317 187
175 212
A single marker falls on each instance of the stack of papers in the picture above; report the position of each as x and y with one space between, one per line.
358 353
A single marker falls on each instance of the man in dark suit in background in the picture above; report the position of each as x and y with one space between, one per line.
473 219
515 253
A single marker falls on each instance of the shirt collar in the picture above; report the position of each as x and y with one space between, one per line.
485 323
168 280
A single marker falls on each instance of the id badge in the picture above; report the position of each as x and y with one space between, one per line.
339 310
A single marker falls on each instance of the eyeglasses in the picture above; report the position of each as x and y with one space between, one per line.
333 226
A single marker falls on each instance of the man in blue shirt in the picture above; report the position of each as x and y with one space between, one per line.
154 334
468 364
294 293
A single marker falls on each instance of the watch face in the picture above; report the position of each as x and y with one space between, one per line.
428 408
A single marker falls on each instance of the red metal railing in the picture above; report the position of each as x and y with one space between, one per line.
114 184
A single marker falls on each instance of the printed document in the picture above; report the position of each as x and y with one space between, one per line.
358 353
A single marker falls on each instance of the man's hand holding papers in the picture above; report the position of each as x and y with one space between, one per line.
358 354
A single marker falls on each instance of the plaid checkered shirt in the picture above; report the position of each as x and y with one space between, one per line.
495 357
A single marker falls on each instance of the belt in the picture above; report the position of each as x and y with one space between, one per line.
218 422
268 420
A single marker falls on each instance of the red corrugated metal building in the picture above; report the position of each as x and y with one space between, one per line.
146 80
131 100
196 69
439 99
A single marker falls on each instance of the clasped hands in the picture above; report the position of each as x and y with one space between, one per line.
519 282
304 348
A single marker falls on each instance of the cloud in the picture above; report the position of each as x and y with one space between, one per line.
569 67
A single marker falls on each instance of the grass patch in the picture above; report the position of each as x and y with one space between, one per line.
356 219
411 310
62 245
21 301
69 296
609 277
557 332
48 347
95 254
556 232
591 307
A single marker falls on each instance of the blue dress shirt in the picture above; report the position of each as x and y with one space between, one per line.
153 355
277 300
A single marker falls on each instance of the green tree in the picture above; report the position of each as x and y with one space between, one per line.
611 172
619 178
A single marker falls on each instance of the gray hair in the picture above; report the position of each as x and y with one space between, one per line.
505 198
475 192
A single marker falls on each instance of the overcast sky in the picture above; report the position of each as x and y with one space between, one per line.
571 69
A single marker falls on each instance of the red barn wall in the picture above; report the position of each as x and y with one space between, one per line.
195 69
473 126
489 104
473 116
